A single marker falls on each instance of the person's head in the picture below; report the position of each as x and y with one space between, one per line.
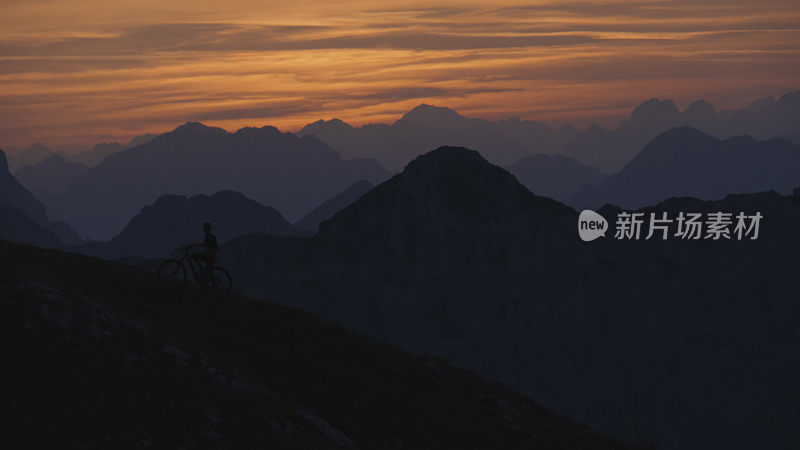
207 227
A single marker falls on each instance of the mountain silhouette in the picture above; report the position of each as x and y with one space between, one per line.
435 116
15 226
688 162
445 188
610 150
333 205
13 194
66 235
109 358
51 176
426 126
99 152
555 176
677 341
503 142
174 220
293 174
32 155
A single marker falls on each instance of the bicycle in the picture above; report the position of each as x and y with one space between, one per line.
172 274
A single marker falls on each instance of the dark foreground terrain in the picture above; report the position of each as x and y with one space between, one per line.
98 355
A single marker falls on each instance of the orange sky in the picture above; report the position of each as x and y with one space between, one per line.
77 72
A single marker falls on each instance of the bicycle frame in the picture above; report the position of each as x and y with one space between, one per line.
194 266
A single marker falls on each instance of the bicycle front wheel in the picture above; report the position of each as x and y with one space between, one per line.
172 274
220 280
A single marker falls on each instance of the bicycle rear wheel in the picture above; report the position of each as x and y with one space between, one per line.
172 274
220 281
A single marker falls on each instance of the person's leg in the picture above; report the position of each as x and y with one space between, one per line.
209 261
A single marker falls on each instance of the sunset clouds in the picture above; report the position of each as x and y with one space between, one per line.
74 73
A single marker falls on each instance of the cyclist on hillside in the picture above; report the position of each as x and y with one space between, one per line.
210 249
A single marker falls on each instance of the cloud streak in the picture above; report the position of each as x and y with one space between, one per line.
71 75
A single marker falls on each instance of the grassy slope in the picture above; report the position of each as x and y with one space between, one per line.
90 368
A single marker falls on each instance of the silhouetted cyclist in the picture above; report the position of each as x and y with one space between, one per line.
210 249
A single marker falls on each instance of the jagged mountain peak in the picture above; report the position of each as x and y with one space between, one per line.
433 115
141 139
197 127
13 194
673 141
655 110
38 148
761 103
265 131
3 163
790 98
326 126
444 186
700 109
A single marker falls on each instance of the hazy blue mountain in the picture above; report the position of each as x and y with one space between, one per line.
32 155
175 220
688 162
794 137
685 343
141 139
16 226
13 194
64 232
426 126
333 205
51 176
555 176
506 141
763 119
610 150
293 174
99 152
96 154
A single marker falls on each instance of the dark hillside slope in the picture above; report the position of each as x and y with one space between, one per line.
690 343
102 357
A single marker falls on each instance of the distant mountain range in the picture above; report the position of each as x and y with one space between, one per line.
680 342
282 170
38 152
24 219
32 155
51 176
688 162
99 152
174 220
555 176
333 205
610 150
503 142
13 194
15 226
